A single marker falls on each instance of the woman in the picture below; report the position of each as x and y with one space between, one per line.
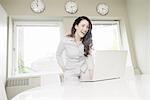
77 46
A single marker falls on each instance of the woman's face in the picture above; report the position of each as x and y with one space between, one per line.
82 28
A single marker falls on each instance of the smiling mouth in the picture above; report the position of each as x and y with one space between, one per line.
83 33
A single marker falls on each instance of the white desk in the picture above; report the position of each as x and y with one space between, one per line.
117 89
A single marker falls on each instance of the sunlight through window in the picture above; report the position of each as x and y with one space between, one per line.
35 48
106 36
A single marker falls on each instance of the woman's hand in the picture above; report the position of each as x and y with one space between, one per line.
91 74
88 75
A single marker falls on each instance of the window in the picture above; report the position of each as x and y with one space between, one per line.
107 36
34 47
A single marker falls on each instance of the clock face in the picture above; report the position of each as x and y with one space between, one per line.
102 9
71 7
37 6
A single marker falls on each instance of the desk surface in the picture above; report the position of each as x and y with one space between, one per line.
117 89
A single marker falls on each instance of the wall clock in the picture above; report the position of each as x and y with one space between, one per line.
37 6
71 7
102 9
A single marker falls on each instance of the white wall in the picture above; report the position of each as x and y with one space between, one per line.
148 36
56 8
138 12
2 91
3 52
3 43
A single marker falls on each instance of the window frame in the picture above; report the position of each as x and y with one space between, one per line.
111 22
13 45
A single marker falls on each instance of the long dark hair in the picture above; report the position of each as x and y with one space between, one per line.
87 39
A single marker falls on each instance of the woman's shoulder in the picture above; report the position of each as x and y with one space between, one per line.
68 38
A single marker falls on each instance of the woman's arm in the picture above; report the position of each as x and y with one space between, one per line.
59 53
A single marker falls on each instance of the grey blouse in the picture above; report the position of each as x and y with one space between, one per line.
74 54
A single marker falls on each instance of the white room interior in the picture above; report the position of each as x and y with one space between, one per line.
133 17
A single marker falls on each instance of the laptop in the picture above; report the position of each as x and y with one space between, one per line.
109 64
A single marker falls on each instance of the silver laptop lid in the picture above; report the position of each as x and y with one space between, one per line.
109 64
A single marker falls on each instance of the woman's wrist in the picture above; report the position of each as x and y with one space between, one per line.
91 73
